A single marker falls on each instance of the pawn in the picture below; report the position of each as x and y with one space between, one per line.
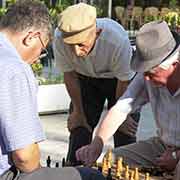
104 165
136 175
109 156
119 168
63 162
147 177
126 172
57 165
132 175
119 165
48 161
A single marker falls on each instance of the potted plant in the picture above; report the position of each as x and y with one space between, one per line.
173 20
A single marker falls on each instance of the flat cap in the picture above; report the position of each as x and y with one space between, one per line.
76 22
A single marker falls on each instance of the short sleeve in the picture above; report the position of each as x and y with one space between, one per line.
19 120
121 61
134 97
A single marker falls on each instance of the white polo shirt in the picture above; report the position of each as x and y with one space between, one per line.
165 107
109 58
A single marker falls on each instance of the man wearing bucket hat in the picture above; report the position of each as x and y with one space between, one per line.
157 61
94 55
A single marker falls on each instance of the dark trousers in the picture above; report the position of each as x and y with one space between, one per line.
94 92
79 173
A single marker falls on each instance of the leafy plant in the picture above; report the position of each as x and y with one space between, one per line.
173 4
2 11
151 18
37 68
173 20
53 80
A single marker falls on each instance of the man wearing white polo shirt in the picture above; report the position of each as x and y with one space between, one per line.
94 55
157 82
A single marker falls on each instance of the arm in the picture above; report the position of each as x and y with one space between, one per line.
20 126
72 85
110 124
77 117
27 159
134 97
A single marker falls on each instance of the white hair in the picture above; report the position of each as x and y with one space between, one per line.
175 58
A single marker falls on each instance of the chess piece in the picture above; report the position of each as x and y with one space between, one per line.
109 156
126 175
136 175
63 162
120 164
48 161
100 168
104 165
119 168
147 177
109 175
132 175
57 165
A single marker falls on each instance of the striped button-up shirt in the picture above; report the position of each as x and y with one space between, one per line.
19 121
165 107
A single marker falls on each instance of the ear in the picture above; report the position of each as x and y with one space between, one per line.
98 32
30 37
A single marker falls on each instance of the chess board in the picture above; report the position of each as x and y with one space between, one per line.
117 170
143 173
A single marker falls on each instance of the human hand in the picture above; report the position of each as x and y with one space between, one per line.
166 161
129 127
77 119
89 154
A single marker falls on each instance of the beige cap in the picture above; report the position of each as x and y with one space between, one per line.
76 22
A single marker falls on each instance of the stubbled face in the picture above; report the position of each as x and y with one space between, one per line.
159 76
84 48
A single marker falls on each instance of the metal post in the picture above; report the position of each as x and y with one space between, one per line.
91 2
110 8
2 3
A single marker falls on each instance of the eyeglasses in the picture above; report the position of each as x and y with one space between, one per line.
44 52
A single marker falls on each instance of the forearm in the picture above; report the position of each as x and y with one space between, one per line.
28 159
73 88
110 123
121 88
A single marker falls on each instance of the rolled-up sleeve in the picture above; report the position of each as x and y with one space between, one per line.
134 97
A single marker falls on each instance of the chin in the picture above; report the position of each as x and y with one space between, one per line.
82 55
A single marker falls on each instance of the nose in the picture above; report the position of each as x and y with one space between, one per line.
146 77
77 50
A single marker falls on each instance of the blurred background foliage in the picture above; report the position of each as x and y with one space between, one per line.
57 6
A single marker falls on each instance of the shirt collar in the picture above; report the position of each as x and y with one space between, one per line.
8 48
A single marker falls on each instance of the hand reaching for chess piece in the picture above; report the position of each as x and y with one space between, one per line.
88 154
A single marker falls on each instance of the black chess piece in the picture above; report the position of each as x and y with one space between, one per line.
48 161
109 175
57 164
63 162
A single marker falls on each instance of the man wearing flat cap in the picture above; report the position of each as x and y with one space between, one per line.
94 55
157 61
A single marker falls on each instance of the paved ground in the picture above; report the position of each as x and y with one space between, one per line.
57 134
